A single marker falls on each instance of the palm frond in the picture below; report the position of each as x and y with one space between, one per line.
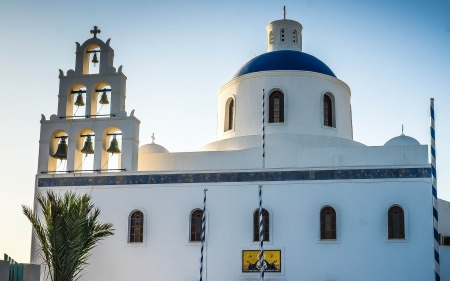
70 232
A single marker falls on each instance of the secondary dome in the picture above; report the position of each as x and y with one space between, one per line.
402 140
152 148
284 60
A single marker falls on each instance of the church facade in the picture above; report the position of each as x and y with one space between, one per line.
332 208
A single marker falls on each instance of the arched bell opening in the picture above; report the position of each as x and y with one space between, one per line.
91 62
101 100
112 146
58 149
76 100
84 151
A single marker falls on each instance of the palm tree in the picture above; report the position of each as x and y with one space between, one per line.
70 231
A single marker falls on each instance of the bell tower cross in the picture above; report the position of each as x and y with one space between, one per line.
95 31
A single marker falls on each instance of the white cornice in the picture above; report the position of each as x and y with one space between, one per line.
92 75
284 73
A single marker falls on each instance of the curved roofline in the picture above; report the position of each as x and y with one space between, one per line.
284 73
284 60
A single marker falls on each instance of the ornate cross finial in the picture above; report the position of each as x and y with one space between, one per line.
284 10
402 129
95 31
153 137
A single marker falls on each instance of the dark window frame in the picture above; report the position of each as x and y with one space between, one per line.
266 224
328 223
195 228
229 115
396 222
328 110
276 116
136 234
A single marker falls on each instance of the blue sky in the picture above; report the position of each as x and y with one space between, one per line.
394 55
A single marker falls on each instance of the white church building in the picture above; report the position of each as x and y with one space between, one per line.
333 208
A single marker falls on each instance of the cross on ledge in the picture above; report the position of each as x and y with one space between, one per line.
95 31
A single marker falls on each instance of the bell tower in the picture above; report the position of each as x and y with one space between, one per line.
91 116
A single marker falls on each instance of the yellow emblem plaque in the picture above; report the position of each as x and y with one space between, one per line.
251 262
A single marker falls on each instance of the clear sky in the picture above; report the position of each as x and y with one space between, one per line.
394 55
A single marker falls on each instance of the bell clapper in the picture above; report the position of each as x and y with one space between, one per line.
61 151
88 147
114 146
79 101
95 59
104 99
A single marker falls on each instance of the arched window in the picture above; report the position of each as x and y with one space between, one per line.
271 38
196 225
229 114
276 107
396 223
282 35
266 225
327 110
327 223
294 36
137 227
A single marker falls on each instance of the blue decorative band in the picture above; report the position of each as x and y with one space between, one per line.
257 176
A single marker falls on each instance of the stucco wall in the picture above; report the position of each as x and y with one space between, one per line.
361 251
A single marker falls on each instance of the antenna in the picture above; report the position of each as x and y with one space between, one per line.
284 10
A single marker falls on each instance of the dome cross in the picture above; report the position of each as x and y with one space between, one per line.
153 137
95 31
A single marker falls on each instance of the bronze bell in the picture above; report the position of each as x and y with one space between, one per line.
114 146
95 59
88 148
61 152
79 101
104 99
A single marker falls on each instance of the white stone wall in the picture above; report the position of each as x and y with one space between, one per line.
303 104
361 251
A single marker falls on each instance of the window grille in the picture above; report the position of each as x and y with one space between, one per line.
327 111
137 227
327 223
276 107
196 226
396 223
266 221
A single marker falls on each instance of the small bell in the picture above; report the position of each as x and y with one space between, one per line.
114 146
95 59
79 101
61 152
88 148
104 99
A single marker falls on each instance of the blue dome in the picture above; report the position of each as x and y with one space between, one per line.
284 60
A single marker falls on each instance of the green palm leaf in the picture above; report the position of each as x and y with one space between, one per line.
70 231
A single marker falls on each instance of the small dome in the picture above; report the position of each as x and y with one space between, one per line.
152 148
402 140
285 60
